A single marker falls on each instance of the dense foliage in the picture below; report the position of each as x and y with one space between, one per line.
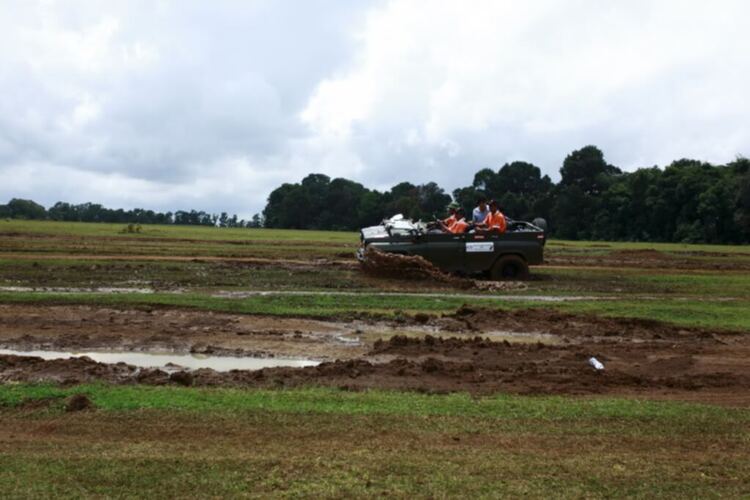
91 212
321 203
688 201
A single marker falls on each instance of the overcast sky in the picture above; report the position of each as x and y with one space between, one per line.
211 104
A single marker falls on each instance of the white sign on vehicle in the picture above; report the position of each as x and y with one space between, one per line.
484 246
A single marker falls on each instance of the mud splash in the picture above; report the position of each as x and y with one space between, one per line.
407 267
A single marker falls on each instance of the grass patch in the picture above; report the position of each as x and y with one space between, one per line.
632 281
731 315
148 231
372 402
188 442
609 246
714 314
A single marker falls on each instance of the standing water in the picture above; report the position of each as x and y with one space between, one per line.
157 360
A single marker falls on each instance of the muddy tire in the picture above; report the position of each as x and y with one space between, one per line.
510 268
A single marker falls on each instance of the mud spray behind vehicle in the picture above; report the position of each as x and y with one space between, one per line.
504 256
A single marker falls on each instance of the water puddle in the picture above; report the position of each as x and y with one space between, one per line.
60 289
170 362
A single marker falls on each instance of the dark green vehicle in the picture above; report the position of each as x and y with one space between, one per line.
504 256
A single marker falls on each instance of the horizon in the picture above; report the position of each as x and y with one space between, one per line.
249 217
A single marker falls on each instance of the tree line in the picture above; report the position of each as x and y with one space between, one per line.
92 212
687 201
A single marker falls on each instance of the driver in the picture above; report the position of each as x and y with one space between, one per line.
459 226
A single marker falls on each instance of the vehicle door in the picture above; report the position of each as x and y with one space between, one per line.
480 252
446 250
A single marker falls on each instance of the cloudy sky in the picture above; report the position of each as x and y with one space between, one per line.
211 104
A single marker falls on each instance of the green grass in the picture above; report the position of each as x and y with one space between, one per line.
188 442
608 246
721 314
317 305
643 282
731 315
335 401
158 442
94 238
346 237
172 232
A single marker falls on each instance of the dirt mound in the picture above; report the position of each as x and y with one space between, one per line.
412 267
642 253
78 402
480 366
182 378
566 325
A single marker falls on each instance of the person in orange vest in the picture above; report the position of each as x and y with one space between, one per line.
459 226
494 222
452 211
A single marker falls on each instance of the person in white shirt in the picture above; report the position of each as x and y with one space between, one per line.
480 211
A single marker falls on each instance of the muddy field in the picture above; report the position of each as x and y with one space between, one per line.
534 351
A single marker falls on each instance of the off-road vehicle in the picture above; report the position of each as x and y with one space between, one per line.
504 256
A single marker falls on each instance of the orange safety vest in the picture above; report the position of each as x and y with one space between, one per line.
458 227
495 221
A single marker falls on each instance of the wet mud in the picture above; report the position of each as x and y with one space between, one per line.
412 268
480 351
166 330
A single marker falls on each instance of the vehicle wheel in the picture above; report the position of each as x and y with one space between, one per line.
510 268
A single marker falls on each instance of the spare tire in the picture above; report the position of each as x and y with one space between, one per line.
510 268
540 223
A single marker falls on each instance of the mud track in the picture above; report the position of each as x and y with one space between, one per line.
534 351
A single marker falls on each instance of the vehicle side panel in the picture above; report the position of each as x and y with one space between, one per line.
469 253
447 251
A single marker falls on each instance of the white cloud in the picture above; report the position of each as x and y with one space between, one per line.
469 87
162 104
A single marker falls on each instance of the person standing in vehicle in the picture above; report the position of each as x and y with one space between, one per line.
480 211
494 222
459 226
